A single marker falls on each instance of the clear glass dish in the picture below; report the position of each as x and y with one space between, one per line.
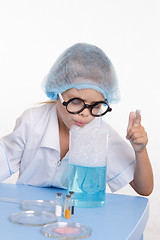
65 230
32 218
38 206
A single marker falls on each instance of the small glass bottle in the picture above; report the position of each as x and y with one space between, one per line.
73 201
58 205
67 206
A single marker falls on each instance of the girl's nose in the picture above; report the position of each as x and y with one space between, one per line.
85 112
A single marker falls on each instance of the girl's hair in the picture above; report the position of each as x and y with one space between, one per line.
82 66
49 101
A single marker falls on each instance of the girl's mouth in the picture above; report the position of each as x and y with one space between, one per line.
80 124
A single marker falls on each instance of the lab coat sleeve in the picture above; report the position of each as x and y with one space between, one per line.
12 146
121 162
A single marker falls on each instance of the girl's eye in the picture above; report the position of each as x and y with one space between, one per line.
98 106
76 102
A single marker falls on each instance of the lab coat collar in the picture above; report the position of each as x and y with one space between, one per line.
51 134
50 137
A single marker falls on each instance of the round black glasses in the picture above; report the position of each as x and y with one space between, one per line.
77 105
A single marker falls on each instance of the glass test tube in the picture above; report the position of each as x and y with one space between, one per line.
59 204
73 201
67 206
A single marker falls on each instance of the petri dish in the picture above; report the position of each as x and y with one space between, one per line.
65 230
38 206
32 218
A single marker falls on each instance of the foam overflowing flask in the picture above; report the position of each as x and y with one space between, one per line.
88 165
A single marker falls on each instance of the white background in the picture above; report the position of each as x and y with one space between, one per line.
34 32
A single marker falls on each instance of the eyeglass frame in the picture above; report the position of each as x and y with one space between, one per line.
90 107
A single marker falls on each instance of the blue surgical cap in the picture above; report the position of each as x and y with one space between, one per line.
82 66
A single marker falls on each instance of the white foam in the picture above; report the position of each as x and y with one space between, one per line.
88 147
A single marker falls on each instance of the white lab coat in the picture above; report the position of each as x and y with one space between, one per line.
33 148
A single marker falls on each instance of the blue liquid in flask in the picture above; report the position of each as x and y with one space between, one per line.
88 184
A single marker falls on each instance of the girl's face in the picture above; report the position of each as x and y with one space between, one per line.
66 119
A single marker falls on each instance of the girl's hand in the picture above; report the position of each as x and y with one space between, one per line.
136 134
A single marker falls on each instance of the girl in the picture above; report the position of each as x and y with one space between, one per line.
81 85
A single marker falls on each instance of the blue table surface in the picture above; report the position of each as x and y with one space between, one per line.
122 217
